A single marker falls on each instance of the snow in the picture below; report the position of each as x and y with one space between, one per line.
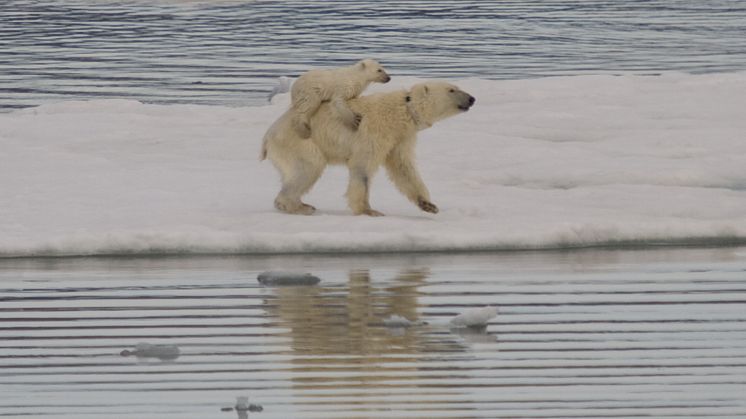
542 163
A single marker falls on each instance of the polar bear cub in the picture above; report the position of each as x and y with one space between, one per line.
336 86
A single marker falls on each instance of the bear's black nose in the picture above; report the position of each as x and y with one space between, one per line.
471 100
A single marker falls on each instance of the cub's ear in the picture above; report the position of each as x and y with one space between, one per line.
361 65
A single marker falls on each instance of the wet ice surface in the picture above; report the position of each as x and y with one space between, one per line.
579 334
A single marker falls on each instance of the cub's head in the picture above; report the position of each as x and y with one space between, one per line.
373 70
436 100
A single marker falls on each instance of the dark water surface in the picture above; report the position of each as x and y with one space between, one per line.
584 334
231 52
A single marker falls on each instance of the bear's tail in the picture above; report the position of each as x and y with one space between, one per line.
263 154
265 141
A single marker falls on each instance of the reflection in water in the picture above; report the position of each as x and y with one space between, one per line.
147 350
474 334
326 320
344 330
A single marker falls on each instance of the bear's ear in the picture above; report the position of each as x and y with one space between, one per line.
420 90
361 65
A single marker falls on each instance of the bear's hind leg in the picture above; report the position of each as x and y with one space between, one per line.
295 184
293 207
304 106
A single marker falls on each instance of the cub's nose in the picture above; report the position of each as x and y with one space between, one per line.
387 79
471 100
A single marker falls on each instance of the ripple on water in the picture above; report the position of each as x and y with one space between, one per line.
579 334
231 52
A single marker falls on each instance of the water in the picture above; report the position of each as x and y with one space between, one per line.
589 334
231 52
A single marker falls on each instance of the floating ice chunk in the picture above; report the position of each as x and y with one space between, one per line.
397 321
281 278
147 350
474 317
283 86
242 405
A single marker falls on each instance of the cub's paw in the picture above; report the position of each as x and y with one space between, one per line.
355 122
358 119
427 206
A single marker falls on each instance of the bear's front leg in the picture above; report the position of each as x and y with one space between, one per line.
402 171
358 192
304 105
426 205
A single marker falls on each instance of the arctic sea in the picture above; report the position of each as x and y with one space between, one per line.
225 52
584 334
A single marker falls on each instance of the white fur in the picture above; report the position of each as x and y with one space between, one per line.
337 86
386 136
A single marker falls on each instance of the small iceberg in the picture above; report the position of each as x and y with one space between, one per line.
283 279
147 350
242 406
475 317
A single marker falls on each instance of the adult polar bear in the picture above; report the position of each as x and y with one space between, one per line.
386 135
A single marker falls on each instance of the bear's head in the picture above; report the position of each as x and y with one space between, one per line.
373 70
432 101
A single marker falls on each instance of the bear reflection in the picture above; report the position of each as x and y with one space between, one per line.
332 319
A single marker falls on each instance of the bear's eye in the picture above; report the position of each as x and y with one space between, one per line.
452 91
380 71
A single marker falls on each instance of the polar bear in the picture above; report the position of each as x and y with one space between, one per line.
386 136
337 86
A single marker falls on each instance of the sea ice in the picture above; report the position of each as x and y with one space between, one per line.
541 163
